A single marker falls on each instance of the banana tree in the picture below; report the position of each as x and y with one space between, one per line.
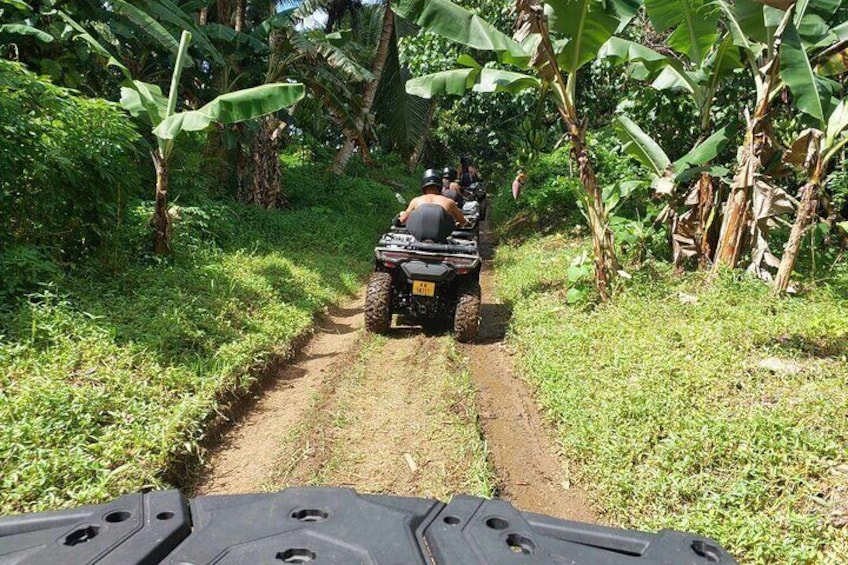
697 65
669 180
813 150
774 37
147 102
554 40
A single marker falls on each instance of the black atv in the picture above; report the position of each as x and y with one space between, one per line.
476 191
427 282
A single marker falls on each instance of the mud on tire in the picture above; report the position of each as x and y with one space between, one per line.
378 303
466 321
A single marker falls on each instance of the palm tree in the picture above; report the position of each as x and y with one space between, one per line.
379 62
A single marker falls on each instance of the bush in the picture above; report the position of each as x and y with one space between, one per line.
107 379
68 164
549 198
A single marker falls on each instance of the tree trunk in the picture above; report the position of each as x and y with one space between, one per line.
736 211
806 211
602 242
204 16
706 229
267 176
161 220
415 157
757 140
240 9
346 151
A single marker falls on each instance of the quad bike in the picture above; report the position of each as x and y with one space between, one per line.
476 191
427 282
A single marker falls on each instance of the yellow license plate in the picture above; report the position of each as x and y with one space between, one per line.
423 288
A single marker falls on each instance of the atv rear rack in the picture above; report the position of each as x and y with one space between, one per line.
327 525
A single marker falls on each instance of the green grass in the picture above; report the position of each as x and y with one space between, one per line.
665 407
108 377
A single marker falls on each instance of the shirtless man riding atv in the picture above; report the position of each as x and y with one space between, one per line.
431 216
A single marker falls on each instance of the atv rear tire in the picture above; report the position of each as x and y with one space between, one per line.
378 303
466 320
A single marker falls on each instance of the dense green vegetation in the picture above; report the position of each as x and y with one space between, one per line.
663 141
718 409
686 404
109 373
64 174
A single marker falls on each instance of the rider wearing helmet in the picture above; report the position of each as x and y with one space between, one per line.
449 175
450 188
431 216
467 171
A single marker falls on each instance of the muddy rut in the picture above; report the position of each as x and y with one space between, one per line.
407 414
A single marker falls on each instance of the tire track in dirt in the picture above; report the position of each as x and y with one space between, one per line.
246 456
530 473
408 414
400 421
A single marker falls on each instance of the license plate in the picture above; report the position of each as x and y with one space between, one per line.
423 288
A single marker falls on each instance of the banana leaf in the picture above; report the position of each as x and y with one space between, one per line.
144 100
587 24
639 145
148 25
695 25
621 51
459 81
837 122
704 152
811 91
458 24
23 29
233 107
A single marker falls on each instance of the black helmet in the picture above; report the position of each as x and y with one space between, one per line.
450 174
464 160
431 178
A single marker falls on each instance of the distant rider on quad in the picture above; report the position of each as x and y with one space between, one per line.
450 188
431 216
467 172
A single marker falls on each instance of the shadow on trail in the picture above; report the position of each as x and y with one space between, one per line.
494 323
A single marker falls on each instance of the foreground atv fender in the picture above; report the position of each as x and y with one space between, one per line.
466 321
326 525
378 303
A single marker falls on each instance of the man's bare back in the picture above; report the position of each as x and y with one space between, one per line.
446 203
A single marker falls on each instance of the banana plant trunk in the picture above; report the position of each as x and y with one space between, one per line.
267 176
706 235
806 212
346 152
758 139
602 242
603 246
161 220
737 210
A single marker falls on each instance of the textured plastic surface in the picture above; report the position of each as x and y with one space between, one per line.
325 525
137 528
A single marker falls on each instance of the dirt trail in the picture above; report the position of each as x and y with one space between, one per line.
248 453
407 414
530 474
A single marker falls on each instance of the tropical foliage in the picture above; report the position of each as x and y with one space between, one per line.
659 137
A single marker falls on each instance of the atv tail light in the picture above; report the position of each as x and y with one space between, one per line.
389 265
461 263
389 258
